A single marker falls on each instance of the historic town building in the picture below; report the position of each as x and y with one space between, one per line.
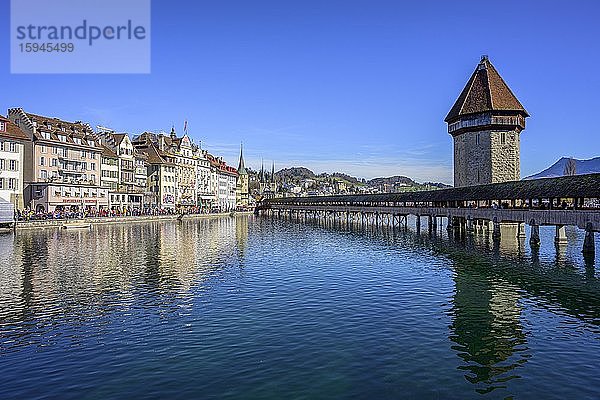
486 122
207 196
186 156
162 170
130 191
109 169
242 193
62 164
12 144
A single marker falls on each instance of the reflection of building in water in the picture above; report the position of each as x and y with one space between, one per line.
241 235
486 329
44 271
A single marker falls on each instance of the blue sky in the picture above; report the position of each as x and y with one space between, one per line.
360 87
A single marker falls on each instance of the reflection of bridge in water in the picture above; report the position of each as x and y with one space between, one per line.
559 202
493 279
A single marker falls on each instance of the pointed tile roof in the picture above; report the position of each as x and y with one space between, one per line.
485 91
241 169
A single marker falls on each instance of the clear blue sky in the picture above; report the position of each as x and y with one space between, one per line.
355 86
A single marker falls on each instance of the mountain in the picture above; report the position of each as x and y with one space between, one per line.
582 167
340 175
392 180
295 174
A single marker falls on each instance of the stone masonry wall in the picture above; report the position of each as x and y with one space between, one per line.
482 157
506 156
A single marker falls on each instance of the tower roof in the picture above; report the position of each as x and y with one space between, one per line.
485 91
241 169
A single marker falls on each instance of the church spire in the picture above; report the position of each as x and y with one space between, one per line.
273 172
241 168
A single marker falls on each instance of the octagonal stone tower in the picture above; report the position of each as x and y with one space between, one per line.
486 122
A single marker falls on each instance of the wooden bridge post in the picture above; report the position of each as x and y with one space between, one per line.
449 228
560 238
589 245
418 224
534 240
521 234
470 229
496 233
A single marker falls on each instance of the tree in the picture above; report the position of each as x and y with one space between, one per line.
570 167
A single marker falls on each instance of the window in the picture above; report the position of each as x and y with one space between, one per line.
62 138
43 174
12 183
83 154
13 165
46 135
44 149
13 147
1 183
42 161
54 150
2 164
93 165
2 146
2 126
54 162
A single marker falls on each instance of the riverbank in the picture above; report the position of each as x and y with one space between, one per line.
58 223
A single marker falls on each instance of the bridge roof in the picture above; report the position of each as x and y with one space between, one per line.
579 186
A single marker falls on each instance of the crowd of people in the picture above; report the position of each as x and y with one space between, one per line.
30 215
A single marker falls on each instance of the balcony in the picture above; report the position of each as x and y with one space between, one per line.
487 120
77 171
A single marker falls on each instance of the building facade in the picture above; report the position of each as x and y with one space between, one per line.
486 122
162 174
130 192
61 160
205 192
12 145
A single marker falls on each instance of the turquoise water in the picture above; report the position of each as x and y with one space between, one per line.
245 308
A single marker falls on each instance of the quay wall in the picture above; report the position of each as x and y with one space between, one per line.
58 223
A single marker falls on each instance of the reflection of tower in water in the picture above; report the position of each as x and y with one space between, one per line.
486 329
241 235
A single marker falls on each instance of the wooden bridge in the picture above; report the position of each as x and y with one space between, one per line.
560 202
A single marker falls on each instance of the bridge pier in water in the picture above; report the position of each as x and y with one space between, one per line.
499 211
457 226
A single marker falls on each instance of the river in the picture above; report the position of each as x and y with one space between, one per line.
253 308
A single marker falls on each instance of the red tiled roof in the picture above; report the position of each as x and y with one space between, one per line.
107 152
12 131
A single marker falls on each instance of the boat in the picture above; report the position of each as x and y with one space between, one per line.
76 226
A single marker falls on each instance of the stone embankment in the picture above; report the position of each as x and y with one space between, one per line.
58 223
